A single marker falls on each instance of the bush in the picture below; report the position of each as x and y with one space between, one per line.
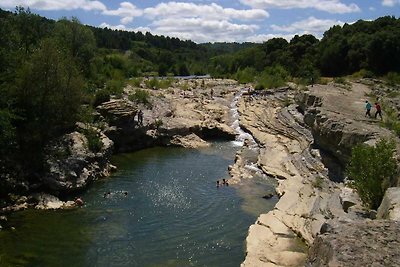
135 82
102 96
246 75
372 170
165 83
339 80
259 87
273 77
393 78
140 96
115 87
363 73
94 142
152 83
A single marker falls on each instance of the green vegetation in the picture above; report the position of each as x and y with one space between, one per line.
372 170
391 120
94 141
393 78
273 77
140 96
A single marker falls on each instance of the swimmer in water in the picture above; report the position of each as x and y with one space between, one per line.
79 202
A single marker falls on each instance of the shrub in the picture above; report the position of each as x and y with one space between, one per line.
165 83
372 170
115 87
135 82
246 75
259 87
94 142
391 120
393 78
273 77
339 80
102 96
363 73
152 83
140 96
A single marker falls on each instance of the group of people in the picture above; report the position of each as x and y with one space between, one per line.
224 182
378 109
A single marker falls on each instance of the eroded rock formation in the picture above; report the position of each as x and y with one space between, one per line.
290 135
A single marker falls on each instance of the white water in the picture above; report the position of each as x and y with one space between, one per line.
241 135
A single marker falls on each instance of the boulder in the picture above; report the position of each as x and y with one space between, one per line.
118 112
390 206
357 243
72 165
188 141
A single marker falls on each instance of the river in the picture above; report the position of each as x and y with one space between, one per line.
161 208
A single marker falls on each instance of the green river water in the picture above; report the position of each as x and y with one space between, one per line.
172 215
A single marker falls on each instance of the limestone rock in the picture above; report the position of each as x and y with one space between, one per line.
390 206
48 202
188 141
362 243
348 198
118 112
72 165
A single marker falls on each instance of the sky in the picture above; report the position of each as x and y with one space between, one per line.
214 20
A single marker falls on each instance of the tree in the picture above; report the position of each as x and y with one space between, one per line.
77 40
373 170
48 97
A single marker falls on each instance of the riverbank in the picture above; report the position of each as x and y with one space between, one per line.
306 138
185 115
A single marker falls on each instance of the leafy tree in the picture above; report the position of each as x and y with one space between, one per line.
77 39
372 170
48 96
246 76
273 77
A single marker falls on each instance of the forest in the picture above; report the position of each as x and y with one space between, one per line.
54 73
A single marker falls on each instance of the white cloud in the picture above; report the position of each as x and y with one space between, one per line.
124 28
310 25
126 10
260 38
185 10
126 20
390 3
203 22
331 6
54 4
199 30
112 27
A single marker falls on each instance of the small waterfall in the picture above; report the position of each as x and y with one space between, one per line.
251 153
241 135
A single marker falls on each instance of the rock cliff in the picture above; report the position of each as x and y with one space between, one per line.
301 135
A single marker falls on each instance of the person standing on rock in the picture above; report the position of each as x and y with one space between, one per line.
368 107
378 110
140 117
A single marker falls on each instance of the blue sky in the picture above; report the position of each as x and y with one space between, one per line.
215 20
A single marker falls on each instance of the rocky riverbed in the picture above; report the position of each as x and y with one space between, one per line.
305 138
183 115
